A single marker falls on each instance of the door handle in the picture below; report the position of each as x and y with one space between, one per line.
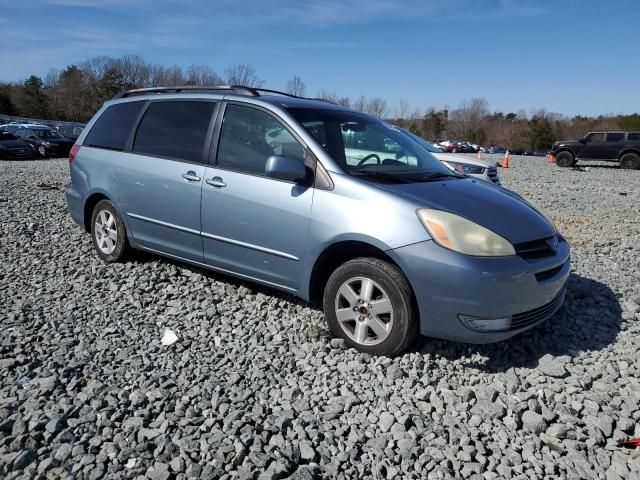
216 182
191 176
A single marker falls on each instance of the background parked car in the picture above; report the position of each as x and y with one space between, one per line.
497 150
46 141
12 148
71 131
473 167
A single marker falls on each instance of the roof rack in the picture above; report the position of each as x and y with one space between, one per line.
237 89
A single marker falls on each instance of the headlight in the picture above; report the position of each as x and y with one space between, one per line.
46 144
461 235
466 168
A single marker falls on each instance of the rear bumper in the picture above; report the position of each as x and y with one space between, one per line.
448 284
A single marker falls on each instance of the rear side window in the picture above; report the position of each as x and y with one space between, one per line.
633 136
112 128
174 130
615 137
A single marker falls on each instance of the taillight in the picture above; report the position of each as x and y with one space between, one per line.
73 152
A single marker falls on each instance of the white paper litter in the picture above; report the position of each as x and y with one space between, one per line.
169 338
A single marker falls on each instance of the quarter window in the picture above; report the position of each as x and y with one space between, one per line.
615 137
111 130
174 130
250 136
633 136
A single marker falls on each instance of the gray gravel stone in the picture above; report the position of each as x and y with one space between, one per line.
533 422
256 388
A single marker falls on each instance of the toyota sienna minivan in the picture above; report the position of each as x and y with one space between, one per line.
321 201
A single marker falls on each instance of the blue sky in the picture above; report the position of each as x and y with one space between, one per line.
568 56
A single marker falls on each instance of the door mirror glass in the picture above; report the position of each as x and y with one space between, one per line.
285 168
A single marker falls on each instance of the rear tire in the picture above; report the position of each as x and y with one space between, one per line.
565 159
108 233
630 161
368 303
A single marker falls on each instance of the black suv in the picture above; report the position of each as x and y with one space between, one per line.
623 147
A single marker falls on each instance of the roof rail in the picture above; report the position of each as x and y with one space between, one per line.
252 92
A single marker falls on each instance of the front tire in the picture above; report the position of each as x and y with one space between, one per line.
368 303
108 232
42 151
565 159
630 161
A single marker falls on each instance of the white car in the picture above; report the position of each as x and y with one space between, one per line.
466 164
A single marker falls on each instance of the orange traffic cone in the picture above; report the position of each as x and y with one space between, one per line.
478 154
552 158
505 160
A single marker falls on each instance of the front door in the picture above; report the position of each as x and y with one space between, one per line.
252 225
160 180
594 146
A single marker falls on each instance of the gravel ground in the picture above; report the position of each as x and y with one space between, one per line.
255 388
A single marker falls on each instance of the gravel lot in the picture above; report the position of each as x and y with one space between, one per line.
255 388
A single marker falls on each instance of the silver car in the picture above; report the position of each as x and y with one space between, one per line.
321 201
474 167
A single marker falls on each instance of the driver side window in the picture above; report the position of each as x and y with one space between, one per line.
596 138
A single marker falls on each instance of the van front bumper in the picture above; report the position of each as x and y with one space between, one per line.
451 288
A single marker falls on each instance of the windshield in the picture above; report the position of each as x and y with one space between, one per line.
46 133
365 146
7 136
421 141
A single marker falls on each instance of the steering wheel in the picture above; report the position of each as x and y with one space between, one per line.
371 155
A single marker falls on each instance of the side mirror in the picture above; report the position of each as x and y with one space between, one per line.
285 168
583 140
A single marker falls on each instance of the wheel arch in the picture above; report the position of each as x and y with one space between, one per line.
629 150
566 149
338 253
89 205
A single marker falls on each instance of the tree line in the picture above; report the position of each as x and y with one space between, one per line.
76 92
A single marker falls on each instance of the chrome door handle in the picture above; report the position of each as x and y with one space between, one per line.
191 176
216 182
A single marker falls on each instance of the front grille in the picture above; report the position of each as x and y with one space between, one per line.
520 320
536 249
547 274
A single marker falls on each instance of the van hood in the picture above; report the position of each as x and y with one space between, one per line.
498 209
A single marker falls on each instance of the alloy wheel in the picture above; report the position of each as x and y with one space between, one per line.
106 232
364 311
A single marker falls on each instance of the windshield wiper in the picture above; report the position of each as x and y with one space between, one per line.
382 175
437 175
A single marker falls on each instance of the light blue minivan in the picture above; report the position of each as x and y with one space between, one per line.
321 201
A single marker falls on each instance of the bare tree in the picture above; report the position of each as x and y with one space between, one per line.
327 96
377 107
403 109
360 104
344 101
203 75
295 86
244 75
